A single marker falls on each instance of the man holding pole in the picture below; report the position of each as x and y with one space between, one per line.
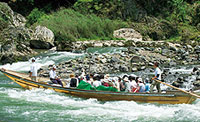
33 70
156 77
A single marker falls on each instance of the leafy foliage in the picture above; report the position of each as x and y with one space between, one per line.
34 16
69 25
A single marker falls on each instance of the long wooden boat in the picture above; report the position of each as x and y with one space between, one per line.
162 98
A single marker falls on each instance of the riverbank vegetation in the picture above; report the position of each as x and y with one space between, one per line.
172 20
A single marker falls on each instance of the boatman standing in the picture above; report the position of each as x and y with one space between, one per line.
156 77
33 70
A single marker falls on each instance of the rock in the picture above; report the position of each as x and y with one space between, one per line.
115 60
15 44
198 77
10 18
196 83
176 84
143 68
136 59
197 49
123 68
104 60
128 34
98 44
134 69
43 38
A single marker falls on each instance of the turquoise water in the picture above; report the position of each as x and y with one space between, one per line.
20 105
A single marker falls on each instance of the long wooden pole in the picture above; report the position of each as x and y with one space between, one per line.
178 89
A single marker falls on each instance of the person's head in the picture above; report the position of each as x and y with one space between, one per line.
91 75
146 80
101 76
72 75
119 79
124 76
107 76
156 64
130 78
54 68
136 79
82 78
126 79
33 59
140 80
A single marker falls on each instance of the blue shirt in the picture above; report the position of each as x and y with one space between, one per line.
147 87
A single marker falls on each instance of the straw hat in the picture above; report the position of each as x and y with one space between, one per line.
125 79
140 79
54 66
107 76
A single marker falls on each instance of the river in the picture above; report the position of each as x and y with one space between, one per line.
20 105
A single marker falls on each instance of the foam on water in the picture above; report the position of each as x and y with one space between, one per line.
47 105
91 108
44 60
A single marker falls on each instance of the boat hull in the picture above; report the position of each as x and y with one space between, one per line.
164 98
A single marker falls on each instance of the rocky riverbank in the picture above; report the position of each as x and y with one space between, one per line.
18 41
135 58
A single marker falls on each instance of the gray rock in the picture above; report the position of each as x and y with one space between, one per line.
128 34
43 38
114 60
123 68
134 69
136 59
198 77
196 83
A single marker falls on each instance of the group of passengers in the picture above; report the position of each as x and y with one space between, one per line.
125 83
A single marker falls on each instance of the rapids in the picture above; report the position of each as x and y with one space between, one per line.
19 105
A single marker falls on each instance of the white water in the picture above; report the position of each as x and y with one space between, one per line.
120 110
49 59
46 105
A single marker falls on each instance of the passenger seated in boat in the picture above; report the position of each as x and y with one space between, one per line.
147 85
137 85
106 80
97 81
127 85
133 83
53 77
73 81
141 85
116 83
90 79
121 84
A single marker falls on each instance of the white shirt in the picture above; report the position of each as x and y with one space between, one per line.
128 87
52 74
142 87
96 83
33 69
133 84
158 71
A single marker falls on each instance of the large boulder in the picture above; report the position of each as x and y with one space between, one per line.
128 34
14 43
43 38
10 18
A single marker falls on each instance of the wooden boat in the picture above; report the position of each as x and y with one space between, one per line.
162 98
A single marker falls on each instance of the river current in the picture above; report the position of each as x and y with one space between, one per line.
20 105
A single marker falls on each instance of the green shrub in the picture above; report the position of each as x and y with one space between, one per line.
34 16
69 25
